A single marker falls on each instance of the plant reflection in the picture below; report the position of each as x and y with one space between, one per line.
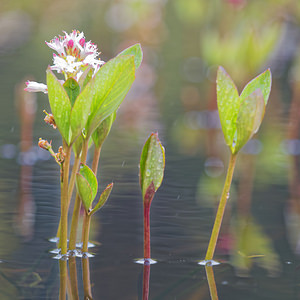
211 282
69 285
146 279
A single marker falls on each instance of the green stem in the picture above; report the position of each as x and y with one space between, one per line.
86 217
211 282
96 160
85 231
77 204
64 199
219 217
71 186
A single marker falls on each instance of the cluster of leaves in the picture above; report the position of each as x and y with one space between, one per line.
83 105
91 113
241 115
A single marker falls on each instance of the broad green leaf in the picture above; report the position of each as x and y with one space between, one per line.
250 116
87 186
103 198
228 105
80 112
152 163
108 88
262 82
136 51
72 88
60 105
102 131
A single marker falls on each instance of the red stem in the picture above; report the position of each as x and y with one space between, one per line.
146 230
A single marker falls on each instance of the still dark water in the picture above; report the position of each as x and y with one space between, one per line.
259 241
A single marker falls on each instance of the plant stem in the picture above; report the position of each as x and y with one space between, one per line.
77 204
63 279
220 213
211 282
147 230
64 199
96 160
86 217
85 231
71 186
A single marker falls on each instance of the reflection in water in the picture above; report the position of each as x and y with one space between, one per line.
211 282
146 279
26 106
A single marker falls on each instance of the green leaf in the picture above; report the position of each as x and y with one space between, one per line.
102 131
80 112
77 146
228 104
152 163
250 116
242 115
136 51
103 198
87 186
262 82
72 88
108 88
60 105
85 77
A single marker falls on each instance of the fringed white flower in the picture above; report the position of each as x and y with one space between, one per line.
74 55
32 86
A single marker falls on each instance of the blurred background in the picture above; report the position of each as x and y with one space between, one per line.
183 41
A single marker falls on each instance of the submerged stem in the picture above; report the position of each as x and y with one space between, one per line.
221 208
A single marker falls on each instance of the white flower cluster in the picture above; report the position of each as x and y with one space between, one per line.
73 56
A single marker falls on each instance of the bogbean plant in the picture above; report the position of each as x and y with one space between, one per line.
83 102
240 116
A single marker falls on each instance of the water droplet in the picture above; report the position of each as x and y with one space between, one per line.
148 172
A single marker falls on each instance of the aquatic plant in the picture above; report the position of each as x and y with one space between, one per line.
240 116
152 165
83 103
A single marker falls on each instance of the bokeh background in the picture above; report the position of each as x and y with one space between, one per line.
174 93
